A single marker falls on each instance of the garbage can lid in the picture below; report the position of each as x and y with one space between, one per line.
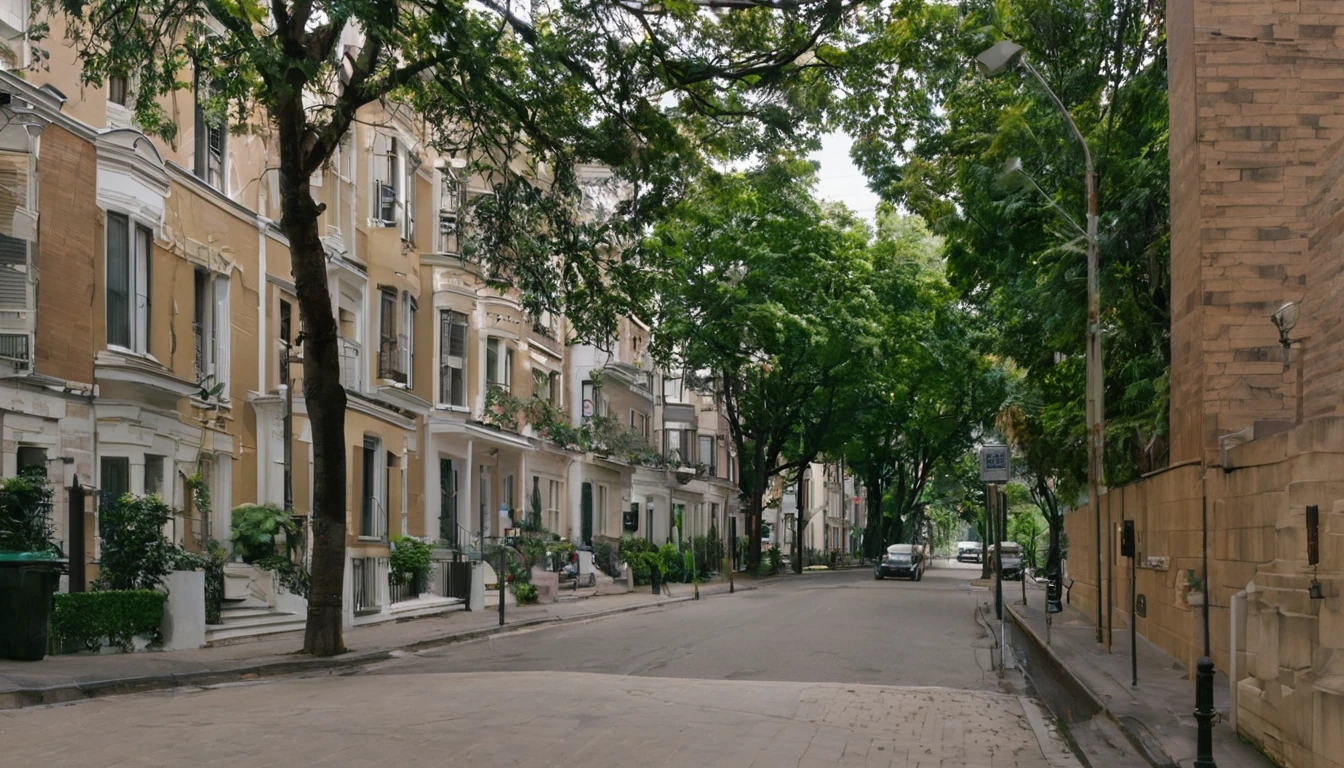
34 558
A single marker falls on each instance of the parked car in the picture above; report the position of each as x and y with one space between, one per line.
969 551
901 560
1012 559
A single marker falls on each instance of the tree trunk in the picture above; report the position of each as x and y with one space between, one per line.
323 394
754 505
872 539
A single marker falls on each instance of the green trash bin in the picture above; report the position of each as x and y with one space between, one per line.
27 582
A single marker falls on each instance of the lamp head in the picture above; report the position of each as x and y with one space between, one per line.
1285 319
1011 176
998 58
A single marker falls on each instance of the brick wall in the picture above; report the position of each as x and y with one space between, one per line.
70 242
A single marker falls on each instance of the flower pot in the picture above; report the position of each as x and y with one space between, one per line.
27 582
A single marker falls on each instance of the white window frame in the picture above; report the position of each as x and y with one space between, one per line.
407 338
554 501
216 325
504 363
139 254
385 171
448 361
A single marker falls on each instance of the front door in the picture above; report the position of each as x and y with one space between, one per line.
586 515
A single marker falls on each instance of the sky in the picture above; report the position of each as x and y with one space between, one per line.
840 180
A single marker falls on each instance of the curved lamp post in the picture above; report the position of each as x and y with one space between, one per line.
1001 57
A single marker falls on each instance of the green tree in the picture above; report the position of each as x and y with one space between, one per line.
768 293
934 138
639 87
928 390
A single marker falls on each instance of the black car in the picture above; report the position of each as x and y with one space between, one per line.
901 560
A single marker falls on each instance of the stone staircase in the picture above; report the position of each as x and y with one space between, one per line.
244 620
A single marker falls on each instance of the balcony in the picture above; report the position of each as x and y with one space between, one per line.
392 361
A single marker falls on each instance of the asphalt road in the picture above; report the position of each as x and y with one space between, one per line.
840 627
829 669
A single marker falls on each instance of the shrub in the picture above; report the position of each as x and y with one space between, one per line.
25 519
708 555
135 554
87 619
775 559
411 561
254 527
525 593
560 553
607 558
672 563
642 557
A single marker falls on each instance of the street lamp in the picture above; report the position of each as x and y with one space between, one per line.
998 58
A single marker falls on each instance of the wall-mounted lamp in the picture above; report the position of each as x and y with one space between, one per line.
1285 319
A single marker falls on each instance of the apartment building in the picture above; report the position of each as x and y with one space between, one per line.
151 340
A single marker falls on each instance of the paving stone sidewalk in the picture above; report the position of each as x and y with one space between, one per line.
78 676
538 718
1159 710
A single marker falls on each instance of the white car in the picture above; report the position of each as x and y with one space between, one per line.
969 551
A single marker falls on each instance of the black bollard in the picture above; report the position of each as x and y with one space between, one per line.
1204 712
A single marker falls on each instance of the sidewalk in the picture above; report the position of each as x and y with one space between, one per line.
1157 714
59 679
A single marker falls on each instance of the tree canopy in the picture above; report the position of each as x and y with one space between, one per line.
934 137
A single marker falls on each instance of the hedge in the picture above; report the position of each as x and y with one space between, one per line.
85 620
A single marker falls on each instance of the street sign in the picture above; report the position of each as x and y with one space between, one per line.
994 465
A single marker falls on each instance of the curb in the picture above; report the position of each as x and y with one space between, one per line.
1134 731
62 694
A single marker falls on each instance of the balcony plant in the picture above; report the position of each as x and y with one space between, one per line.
31 564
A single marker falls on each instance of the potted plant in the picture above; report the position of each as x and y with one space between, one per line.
31 565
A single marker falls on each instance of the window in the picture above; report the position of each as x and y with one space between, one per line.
117 90
391 357
498 365
211 142
210 326
411 163
153 474
450 205
408 308
16 231
555 388
542 382
286 332
387 180
674 447
452 358
373 508
553 505
708 455
672 390
128 298
114 477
